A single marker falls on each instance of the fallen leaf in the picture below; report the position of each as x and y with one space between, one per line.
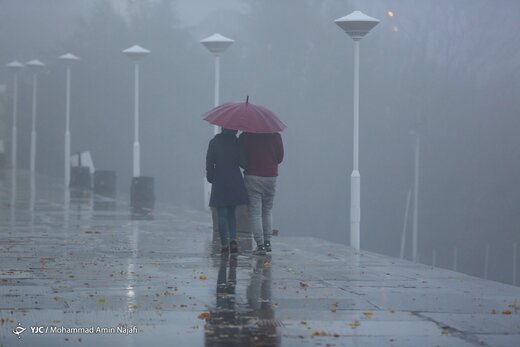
204 315
319 333
368 314
506 312
355 324
101 300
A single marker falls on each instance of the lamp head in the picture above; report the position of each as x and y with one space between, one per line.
136 52
68 58
15 66
216 43
35 65
357 24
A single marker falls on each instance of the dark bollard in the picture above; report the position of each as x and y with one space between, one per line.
142 198
105 183
80 178
105 205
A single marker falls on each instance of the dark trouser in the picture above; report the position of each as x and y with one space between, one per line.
227 224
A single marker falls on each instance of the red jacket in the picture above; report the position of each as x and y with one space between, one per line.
264 153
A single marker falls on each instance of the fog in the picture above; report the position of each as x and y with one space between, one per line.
446 70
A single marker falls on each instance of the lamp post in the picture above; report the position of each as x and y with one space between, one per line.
36 66
142 197
415 232
356 25
14 66
216 44
68 59
136 53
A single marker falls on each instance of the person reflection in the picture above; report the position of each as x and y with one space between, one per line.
261 328
223 327
233 323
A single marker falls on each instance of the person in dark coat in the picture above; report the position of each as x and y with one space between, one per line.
225 156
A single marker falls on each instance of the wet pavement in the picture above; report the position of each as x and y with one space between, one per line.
83 271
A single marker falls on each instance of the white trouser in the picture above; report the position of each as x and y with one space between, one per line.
261 192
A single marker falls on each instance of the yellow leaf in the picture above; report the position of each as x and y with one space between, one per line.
101 300
204 315
319 333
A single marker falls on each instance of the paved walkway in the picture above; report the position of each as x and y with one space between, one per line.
90 275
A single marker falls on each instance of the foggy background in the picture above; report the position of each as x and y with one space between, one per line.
449 70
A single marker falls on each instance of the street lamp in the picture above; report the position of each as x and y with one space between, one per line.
142 197
216 44
14 66
68 59
356 25
136 53
36 66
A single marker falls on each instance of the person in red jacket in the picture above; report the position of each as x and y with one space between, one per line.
264 152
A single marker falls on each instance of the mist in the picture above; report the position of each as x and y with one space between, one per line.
448 71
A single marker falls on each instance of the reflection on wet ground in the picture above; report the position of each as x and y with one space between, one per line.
78 261
250 323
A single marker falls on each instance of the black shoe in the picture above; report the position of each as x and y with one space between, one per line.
260 250
233 246
267 246
224 250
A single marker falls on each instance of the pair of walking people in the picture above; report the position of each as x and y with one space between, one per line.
259 156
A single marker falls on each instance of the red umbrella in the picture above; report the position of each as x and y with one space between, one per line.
245 116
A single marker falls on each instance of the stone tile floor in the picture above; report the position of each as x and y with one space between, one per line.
84 272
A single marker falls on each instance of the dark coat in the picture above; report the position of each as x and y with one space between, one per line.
225 156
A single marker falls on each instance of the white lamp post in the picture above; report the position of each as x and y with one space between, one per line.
36 66
68 59
415 232
14 66
216 44
136 53
356 25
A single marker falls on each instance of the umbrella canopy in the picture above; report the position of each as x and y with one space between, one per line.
245 116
